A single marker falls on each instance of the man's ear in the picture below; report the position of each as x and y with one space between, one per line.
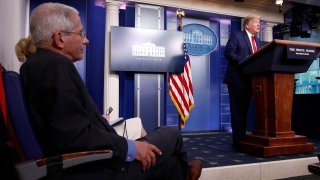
58 40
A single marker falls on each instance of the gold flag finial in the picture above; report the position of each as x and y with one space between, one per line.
180 14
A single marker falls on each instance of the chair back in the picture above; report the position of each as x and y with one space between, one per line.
18 113
8 154
8 138
37 166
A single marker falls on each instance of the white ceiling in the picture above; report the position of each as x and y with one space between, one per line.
270 2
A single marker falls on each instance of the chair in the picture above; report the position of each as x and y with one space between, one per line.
35 165
6 150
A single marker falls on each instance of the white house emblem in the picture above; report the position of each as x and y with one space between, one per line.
148 49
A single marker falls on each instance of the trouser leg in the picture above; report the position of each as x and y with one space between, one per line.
170 142
239 106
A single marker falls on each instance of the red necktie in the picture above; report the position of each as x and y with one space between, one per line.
253 44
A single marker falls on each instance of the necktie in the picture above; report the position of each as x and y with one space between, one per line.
253 44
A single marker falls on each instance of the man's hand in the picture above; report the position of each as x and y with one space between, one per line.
107 117
146 154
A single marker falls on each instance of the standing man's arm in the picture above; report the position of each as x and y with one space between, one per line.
232 50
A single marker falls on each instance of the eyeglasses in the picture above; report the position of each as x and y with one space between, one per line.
82 33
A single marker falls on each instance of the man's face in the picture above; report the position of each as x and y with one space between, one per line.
253 26
74 42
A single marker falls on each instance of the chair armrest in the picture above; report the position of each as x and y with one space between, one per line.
35 169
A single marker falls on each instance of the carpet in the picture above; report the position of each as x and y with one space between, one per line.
215 150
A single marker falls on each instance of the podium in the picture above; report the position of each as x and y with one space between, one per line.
272 69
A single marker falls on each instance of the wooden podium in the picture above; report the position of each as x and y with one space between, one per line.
272 69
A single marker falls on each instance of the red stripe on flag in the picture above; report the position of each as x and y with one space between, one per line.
181 90
176 99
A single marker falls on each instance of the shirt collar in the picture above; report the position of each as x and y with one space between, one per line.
249 34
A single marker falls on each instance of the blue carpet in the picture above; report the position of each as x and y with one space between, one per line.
215 150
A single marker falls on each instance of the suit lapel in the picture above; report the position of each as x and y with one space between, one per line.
247 40
258 42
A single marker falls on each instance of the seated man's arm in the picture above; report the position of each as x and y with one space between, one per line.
132 151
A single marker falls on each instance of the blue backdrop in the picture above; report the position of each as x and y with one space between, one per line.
92 68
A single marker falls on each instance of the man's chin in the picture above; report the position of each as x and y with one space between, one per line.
77 59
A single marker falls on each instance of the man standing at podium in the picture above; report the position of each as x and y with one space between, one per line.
240 45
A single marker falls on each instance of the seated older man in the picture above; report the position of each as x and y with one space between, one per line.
66 119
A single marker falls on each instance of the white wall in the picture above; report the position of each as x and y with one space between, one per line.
266 9
13 20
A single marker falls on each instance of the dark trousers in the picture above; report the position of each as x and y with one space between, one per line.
239 106
172 164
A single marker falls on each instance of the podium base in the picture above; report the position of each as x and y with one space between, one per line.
274 146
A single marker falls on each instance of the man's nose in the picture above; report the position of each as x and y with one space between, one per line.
85 40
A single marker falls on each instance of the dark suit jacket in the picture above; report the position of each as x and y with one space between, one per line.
63 114
237 49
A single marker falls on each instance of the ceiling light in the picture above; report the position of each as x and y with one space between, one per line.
279 2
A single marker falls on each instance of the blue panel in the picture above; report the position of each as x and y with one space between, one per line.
127 17
126 86
148 96
126 79
235 25
165 85
205 76
200 115
171 112
224 99
165 18
95 52
149 99
215 82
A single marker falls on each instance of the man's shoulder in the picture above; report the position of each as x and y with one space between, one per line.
47 57
237 33
46 61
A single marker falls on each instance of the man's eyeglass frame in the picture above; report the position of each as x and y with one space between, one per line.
81 34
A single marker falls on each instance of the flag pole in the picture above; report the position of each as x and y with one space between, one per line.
180 84
180 14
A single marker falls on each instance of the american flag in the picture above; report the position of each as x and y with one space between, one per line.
181 90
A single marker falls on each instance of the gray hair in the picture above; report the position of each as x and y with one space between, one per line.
49 18
249 18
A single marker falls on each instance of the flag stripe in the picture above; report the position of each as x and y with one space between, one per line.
178 92
181 90
181 109
189 81
179 83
